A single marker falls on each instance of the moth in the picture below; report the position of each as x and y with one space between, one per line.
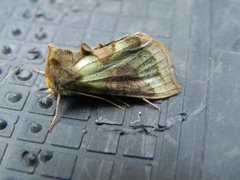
135 66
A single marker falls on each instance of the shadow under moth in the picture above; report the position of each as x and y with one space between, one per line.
134 66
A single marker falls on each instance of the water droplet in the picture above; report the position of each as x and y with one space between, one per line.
14 97
35 127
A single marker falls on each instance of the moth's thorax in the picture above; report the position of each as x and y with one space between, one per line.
58 67
53 83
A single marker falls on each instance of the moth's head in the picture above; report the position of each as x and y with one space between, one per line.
58 67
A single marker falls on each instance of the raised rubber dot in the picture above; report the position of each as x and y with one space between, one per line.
35 127
3 124
27 14
33 54
46 156
29 158
14 97
23 74
16 32
40 35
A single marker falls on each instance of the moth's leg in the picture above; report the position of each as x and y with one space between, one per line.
153 105
97 97
55 117
38 71
49 95
121 101
49 92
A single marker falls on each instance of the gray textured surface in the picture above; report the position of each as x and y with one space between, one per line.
94 140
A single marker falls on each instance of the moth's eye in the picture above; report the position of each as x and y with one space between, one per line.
55 62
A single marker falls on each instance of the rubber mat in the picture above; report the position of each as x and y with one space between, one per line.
94 140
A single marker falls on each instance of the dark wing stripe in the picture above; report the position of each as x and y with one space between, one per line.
143 71
120 66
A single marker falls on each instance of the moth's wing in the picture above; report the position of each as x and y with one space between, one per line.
134 66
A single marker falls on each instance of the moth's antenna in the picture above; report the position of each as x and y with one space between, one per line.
55 118
38 71
46 89
153 105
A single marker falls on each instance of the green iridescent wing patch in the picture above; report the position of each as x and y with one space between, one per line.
135 66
